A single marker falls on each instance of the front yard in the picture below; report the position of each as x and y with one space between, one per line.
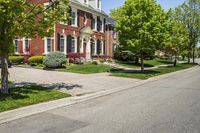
153 72
28 95
88 68
147 63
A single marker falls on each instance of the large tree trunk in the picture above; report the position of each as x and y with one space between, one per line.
142 62
4 72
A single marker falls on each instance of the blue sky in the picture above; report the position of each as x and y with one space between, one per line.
166 4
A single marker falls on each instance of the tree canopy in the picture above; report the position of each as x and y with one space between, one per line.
27 18
142 26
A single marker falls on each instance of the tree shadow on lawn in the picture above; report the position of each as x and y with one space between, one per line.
136 72
22 90
165 61
136 64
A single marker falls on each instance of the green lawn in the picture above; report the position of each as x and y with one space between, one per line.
88 69
147 63
151 73
24 96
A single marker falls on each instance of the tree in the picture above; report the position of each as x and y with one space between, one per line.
26 18
141 27
178 39
189 14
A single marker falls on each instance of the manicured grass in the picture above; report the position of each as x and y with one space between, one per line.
151 73
89 69
147 63
28 95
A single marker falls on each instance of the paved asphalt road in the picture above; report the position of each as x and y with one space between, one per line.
167 105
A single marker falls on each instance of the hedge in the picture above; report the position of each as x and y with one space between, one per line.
16 59
35 60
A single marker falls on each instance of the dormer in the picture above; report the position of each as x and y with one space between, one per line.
96 4
85 2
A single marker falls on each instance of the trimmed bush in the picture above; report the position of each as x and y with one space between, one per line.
54 60
35 60
16 59
94 63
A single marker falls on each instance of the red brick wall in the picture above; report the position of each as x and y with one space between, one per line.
37 44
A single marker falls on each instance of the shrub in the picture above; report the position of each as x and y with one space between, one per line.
35 60
163 57
110 60
94 63
16 59
54 60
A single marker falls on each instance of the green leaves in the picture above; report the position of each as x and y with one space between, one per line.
140 24
28 18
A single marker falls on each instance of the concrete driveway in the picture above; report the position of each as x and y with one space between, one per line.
75 84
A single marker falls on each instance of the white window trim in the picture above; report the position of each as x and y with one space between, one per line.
16 52
75 41
76 20
98 8
102 48
65 43
24 38
95 18
45 45
86 2
102 28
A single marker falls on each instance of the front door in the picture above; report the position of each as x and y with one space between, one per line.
85 50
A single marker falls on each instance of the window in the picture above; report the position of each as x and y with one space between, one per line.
16 45
93 24
85 1
26 44
92 43
98 4
73 47
62 44
99 47
73 20
49 44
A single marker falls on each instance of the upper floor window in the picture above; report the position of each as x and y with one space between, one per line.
73 20
73 17
85 1
98 4
93 24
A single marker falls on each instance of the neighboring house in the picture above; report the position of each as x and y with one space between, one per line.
111 36
85 35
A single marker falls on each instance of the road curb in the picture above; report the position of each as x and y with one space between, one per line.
46 106
172 73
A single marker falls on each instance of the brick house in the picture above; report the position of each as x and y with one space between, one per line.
86 35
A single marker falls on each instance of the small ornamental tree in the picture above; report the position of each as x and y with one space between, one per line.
26 18
141 26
